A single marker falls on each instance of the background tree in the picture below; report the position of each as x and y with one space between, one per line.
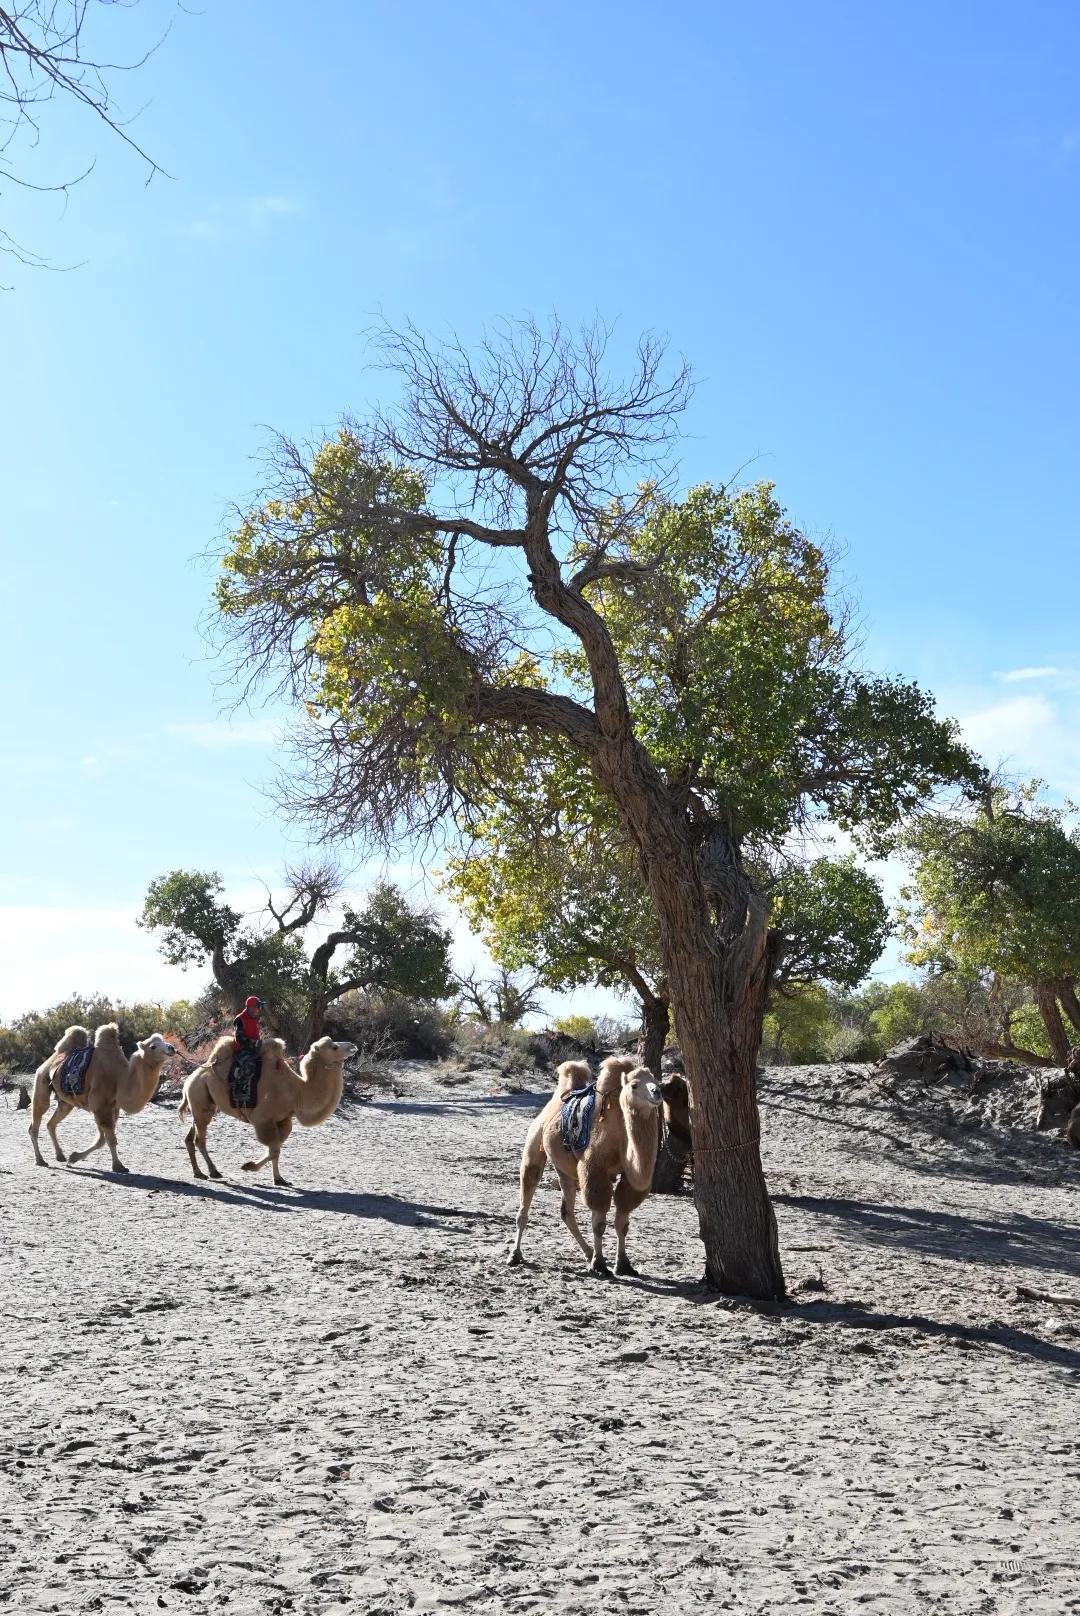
685 651
997 892
502 1000
387 946
47 52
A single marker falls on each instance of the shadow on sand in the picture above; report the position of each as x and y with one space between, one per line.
1015 1240
266 1198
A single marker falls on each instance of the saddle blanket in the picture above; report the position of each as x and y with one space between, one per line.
244 1076
577 1119
70 1075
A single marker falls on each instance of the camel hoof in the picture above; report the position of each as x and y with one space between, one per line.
623 1265
39 1161
61 1157
118 1167
198 1172
600 1269
249 1167
515 1258
215 1173
283 1183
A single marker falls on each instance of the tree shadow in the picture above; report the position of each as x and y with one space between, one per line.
974 1155
1015 1239
854 1316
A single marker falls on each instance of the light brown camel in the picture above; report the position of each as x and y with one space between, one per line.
283 1096
617 1162
112 1084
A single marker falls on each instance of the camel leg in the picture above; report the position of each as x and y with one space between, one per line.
40 1102
627 1200
597 1189
198 1128
106 1121
81 1155
533 1162
566 1208
273 1135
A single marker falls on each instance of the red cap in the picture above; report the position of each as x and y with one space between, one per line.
253 1003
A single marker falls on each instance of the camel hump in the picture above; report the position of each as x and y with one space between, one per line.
107 1033
73 1038
613 1071
572 1074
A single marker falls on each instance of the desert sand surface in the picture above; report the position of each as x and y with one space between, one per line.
337 1398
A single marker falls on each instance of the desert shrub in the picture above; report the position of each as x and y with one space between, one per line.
849 1042
386 1029
27 1040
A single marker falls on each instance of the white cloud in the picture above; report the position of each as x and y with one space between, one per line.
48 952
1028 735
214 734
231 219
1015 675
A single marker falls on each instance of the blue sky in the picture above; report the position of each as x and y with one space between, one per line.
859 223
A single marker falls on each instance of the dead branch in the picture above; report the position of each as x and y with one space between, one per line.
1059 1298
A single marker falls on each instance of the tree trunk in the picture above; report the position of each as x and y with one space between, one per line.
1070 1003
656 1023
1046 999
719 1015
719 985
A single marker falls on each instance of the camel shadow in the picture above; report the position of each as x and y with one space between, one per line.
466 1105
1016 1240
267 1198
362 1204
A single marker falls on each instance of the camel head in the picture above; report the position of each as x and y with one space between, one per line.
328 1051
155 1049
640 1090
676 1092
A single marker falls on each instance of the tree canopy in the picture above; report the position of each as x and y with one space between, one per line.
996 889
496 564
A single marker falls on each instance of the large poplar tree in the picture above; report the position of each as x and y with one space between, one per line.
490 564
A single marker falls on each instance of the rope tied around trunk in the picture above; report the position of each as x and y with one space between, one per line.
729 1150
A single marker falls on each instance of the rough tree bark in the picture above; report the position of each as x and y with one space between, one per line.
1046 999
656 1024
1070 1003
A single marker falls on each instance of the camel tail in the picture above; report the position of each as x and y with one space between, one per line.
183 1109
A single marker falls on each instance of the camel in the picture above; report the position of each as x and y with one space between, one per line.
112 1084
616 1164
284 1096
1059 1099
676 1137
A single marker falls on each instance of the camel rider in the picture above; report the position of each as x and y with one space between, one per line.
246 1028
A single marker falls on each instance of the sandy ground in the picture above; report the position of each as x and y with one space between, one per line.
338 1398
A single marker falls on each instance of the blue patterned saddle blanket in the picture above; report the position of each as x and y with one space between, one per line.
70 1075
244 1076
577 1119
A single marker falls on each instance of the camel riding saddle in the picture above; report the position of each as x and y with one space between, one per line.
70 1075
577 1119
244 1075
